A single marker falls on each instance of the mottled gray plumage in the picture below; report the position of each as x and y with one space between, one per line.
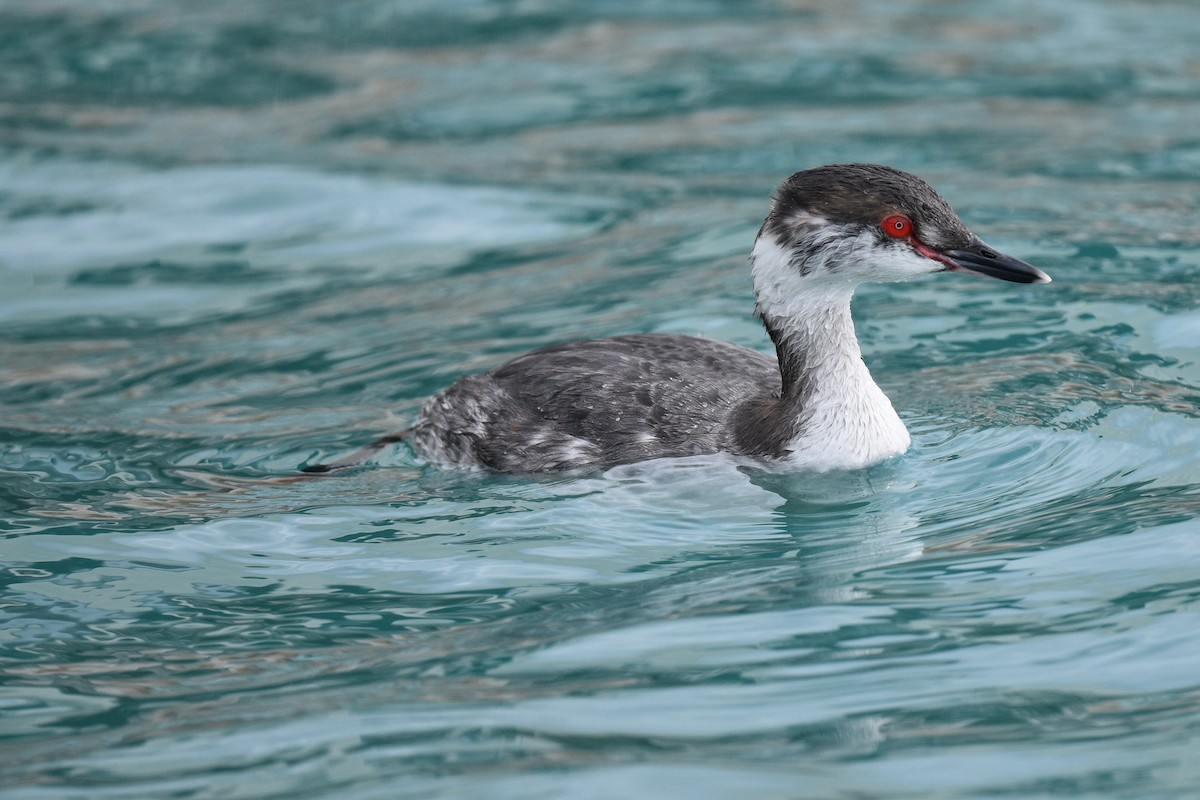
597 402
603 402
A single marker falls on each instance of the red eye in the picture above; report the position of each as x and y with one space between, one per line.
897 225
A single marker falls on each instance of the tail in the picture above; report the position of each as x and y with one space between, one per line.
359 456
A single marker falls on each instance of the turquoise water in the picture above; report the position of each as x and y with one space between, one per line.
239 238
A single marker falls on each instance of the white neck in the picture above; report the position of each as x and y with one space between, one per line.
842 418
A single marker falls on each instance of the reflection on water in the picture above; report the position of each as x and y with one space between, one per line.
235 239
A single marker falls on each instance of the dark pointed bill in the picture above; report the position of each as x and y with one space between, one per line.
984 260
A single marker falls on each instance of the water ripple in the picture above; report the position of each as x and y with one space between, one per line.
209 281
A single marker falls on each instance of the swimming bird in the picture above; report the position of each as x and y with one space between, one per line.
594 404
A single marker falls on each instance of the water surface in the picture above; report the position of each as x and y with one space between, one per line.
236 239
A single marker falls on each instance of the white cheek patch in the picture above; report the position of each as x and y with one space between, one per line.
782 291
772 267
901 263
835 252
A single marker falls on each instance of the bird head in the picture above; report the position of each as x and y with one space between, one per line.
848 223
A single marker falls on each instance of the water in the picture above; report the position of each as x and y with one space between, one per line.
238 238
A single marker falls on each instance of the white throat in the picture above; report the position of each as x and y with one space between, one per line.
847 422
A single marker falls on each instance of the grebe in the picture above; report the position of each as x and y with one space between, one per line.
603 402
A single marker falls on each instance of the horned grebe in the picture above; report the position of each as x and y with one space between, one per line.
598 403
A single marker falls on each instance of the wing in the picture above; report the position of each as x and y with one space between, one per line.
596 403
677 390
